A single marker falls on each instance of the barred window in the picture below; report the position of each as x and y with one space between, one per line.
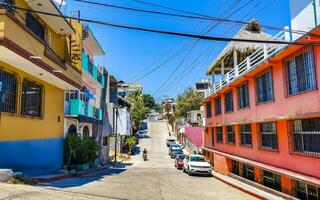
305 137
212 136
300 72
248 171
230 135
272 180
243 96
245 135
235 167
209 114
8 92
306 191
264 87
35 26
228 102
31 99
218 106
268 136
219 134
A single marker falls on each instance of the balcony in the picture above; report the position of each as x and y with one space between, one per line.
30 54
262 54
91 69
75 105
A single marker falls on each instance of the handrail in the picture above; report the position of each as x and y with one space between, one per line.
260 55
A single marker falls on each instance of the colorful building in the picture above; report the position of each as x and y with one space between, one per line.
263 118
83 111
37 64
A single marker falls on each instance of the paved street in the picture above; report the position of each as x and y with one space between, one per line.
155 179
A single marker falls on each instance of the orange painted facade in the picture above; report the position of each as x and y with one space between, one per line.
282 110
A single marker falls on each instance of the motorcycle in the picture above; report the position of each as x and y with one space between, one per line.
144 155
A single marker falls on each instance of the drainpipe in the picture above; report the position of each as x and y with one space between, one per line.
315 12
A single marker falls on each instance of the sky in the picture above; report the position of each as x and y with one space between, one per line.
179 62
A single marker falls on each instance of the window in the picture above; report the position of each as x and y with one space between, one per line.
268 136
271 180
209 114
99 77
218 106
219 134
8 92
243 96
306 191
300 72
305 137
264 87
228 101
230 135
86 132
245 135
31 99
212 136
72 130
35 26
235 167
248 171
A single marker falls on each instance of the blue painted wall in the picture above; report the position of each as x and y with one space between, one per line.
32 157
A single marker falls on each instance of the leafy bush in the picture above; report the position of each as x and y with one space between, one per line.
22 180
80 151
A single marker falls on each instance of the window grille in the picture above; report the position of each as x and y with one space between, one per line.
209 114
35 26
268 136
248 171
272 180
243 96
219 134
218 106
230 135
264 87
31 99
304 137
245 135
8 92
300 72
228 102
306 191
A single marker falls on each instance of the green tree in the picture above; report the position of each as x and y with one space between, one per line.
130 141
189 100
148 101
138 110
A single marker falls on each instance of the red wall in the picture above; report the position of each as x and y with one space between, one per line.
282 108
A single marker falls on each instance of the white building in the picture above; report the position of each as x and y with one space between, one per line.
305 15
126 89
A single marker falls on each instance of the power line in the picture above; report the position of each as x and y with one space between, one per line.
202 37
208 17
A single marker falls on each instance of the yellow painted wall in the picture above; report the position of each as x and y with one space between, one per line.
78 38
16 127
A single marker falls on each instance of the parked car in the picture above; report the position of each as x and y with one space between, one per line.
170 141
174 150
196 164
178 161
141 134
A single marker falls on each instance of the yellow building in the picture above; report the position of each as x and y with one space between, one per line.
40 58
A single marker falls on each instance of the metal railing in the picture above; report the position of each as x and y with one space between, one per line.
262 53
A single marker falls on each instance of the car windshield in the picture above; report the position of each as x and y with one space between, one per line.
197 159
175 147
181 157
171 140
177 150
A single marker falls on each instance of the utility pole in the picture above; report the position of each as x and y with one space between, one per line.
116 135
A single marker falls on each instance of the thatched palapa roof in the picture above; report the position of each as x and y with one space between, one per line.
251 31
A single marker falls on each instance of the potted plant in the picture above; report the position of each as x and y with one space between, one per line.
92 148
130 141
82 158
71 145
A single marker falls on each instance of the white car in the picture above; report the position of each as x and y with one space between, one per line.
196 164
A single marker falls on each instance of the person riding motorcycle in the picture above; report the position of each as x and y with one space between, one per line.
144 154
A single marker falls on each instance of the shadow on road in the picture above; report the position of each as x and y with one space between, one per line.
85 179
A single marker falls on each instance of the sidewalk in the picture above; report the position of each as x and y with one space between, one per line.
248 188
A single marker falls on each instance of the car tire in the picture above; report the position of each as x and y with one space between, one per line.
189 173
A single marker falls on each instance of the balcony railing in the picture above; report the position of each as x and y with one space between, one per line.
263 53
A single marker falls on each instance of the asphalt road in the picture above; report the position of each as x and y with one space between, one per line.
136 179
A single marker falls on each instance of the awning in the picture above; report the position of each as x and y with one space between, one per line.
290 174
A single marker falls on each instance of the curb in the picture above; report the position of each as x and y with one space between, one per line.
241 188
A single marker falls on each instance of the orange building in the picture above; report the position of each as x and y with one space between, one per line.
263 117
